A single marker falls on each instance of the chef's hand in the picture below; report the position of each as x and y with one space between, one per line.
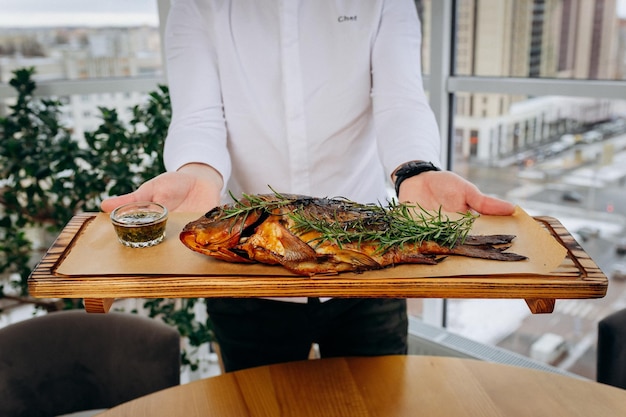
194 188
445 189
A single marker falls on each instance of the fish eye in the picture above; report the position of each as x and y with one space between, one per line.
214 212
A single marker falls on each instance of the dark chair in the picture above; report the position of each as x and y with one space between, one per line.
611 360
72 361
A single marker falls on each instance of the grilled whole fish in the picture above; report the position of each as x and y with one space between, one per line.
310 236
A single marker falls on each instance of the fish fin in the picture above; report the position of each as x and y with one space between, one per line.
295 249
230 256
487 252
488 239
482 251
358 259
416 258
332 263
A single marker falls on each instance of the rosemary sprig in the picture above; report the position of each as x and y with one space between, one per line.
250 203
394 225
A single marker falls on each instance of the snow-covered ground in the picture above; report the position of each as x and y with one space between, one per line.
485 320
490 321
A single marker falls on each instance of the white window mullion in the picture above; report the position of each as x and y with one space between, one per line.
440 70
163 7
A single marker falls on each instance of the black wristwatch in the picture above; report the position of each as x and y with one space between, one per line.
411 169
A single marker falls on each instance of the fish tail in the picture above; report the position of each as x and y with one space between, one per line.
487 252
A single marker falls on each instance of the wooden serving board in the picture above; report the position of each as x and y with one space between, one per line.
101 277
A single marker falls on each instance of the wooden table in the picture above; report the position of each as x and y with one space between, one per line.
389 386
578 277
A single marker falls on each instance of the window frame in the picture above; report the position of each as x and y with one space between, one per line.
442 85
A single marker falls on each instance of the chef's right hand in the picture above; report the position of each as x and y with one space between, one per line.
445 189
194 188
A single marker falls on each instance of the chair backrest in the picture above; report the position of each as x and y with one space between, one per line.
71 361
611 354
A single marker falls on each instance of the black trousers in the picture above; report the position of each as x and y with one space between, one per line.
253 332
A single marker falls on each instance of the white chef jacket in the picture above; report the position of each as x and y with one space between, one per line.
315 97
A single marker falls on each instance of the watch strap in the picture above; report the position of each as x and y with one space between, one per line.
411 169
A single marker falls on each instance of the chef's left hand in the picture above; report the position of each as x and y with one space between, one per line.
452 193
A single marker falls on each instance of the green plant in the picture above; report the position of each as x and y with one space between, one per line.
129 155
47 176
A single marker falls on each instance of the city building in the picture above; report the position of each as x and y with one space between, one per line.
537 39
84 53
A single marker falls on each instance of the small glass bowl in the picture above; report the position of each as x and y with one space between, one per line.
140 225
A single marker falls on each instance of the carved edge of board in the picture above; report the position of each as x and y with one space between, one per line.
58 251
587 268
61 246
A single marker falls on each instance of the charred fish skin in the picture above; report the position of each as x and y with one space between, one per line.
293 231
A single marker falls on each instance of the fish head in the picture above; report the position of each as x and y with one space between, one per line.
216 234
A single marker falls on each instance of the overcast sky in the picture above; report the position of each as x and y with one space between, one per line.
77 12
95 12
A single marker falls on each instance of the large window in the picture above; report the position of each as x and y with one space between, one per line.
533 110
89 54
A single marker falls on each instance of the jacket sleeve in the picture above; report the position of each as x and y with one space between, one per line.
197 132
405 124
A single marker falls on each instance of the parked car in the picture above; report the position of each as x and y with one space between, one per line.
572 196
620 248
612 127
592 136
568 140
587 233
557 147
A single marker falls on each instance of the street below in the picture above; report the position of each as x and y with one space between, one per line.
588 196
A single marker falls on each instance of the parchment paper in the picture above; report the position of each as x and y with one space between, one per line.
97 252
